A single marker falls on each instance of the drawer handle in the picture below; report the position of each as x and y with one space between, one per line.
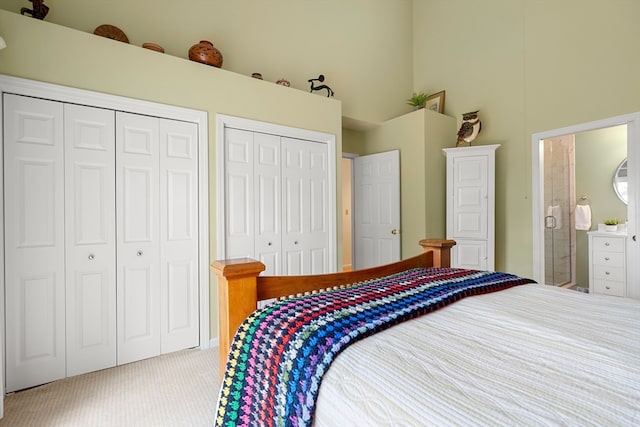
607 287
607 273
606 258
606 244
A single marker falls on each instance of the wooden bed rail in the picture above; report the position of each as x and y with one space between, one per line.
240 287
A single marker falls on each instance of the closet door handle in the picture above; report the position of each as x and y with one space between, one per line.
139 253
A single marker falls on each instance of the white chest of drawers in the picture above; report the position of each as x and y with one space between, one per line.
608 263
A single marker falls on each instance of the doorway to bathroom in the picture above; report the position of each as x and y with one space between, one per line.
596 160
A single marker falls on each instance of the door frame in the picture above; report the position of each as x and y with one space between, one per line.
632 121
224 121
71 95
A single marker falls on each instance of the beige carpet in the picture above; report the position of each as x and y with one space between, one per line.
178 389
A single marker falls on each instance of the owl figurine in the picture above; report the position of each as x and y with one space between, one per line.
470 128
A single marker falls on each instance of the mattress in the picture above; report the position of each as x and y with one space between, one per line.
528 355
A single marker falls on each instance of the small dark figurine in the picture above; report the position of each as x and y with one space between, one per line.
320 79
39 11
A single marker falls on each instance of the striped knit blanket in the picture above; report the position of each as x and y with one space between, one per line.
280 353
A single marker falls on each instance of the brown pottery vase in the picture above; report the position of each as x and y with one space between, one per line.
205 53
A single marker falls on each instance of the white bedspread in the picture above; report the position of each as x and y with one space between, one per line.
531 355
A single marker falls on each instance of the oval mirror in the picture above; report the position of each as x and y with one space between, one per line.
620 181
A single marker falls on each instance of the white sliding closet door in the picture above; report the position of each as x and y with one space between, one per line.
179 235
138 241
34 241
90 238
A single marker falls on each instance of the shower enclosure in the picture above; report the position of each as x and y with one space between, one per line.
560 200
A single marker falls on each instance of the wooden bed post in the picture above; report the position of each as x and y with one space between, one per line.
239 276
441 249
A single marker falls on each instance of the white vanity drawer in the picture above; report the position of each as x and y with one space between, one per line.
609 288
611 259
607 263
603 272
608 244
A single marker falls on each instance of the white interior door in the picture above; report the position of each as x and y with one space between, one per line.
178 235
90 238
138 248
34 241
376 190
305 238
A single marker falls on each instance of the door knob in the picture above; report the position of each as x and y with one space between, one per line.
91 257
394 231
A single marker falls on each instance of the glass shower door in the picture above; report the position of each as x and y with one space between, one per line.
559 200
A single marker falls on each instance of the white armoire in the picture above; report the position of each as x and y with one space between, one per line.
101 238
471 206
278 197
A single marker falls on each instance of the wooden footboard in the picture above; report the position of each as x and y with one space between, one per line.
240 287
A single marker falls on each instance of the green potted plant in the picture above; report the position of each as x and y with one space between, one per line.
417 100
611 224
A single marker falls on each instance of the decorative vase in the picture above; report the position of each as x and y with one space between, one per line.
153 46
611 228
205 53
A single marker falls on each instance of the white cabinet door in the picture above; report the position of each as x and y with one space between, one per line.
90 238
178 235
471 206
377 209
138 249
470 197
305 237
34 241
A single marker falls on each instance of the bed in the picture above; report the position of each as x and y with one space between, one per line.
466 348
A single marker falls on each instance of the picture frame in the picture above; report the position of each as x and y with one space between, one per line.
435 102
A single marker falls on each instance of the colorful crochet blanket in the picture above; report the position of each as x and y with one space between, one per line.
280 353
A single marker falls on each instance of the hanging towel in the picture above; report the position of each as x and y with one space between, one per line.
556 213
583 217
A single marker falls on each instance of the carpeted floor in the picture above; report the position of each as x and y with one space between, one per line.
177 389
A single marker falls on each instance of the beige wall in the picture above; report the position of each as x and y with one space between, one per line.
363 47
529 66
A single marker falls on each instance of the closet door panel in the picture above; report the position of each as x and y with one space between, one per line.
305 180
90 238
267 196
138 252
34 241
178 235
239 194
